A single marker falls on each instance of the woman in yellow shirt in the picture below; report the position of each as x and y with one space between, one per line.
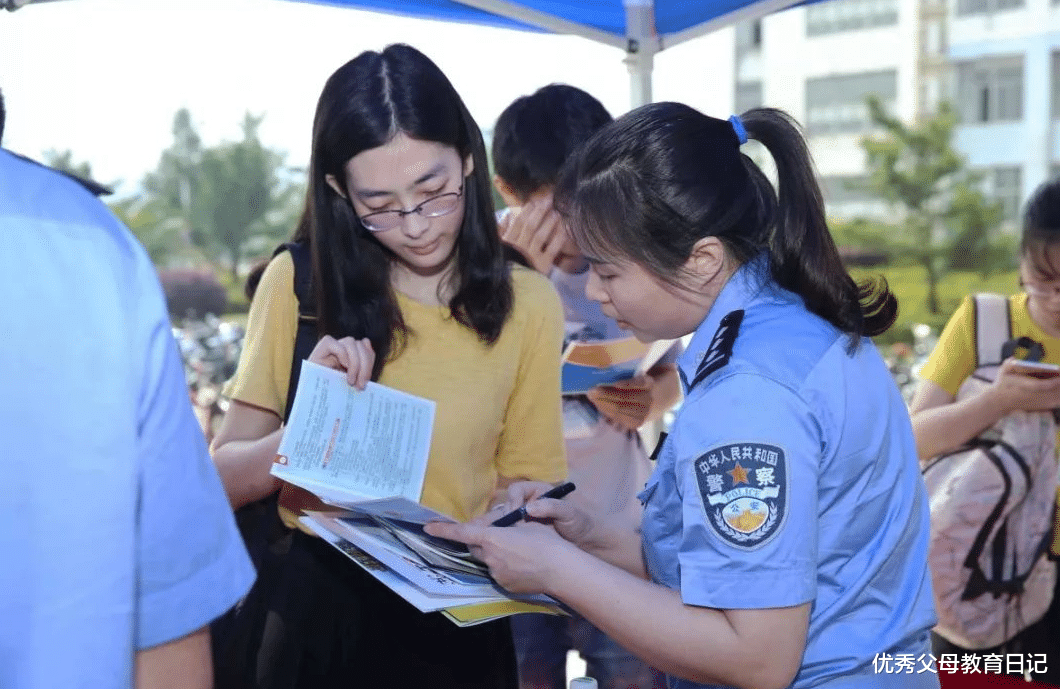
411 289
941 423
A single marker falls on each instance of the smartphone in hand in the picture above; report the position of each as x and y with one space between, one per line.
1038 369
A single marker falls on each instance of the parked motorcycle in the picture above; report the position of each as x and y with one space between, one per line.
905 360
210 349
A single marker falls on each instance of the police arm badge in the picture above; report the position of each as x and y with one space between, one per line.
744 488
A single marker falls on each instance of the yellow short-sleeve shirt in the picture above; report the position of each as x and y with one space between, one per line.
953 359
498 407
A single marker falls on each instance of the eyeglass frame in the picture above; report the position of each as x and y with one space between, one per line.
417 209
1035 290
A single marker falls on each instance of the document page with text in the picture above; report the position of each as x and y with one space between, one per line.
348 445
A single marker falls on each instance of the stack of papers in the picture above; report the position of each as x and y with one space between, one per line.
366 453
460 589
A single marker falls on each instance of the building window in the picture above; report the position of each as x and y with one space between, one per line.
748 95
984 6
846 197
849 15
990 90
1056 85
749 35
1005 184
840 189
837 104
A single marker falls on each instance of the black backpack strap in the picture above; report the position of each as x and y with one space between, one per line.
260 521
999 581
978 582
267 538
306 334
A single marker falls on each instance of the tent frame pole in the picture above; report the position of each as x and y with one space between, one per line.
642 40
641 45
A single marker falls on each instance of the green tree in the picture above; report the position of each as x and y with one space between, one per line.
243 195
64 160
161 233
173 188
945 221
232 199
975 243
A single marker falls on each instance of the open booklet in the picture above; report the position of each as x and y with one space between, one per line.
347 446
365 452
587 364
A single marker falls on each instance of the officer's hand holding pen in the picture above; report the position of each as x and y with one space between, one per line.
518 514
566 517
514 555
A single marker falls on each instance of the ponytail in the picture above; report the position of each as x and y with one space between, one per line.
803 254
654 182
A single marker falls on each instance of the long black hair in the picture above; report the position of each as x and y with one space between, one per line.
660 178
364 104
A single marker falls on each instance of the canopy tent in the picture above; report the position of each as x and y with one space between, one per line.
641 28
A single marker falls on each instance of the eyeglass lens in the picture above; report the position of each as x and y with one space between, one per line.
433 207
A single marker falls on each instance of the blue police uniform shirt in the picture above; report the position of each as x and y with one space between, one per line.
791 476
115 531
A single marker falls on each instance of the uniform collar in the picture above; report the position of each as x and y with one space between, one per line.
93 187
744 285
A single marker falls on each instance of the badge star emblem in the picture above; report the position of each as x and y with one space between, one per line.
739 475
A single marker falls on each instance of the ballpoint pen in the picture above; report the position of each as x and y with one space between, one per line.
516 515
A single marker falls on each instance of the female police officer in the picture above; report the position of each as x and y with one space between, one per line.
784 534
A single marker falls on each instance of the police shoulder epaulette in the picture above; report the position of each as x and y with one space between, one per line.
93 187
721 346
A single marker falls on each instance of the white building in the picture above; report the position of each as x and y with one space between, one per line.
998 61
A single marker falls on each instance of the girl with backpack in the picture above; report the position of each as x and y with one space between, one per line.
942 423
784 532
411 288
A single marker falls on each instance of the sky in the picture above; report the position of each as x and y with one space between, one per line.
103 78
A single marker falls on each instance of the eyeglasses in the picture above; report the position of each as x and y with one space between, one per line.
434 207
1040 291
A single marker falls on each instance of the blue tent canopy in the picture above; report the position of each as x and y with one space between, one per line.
639 27
607 16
